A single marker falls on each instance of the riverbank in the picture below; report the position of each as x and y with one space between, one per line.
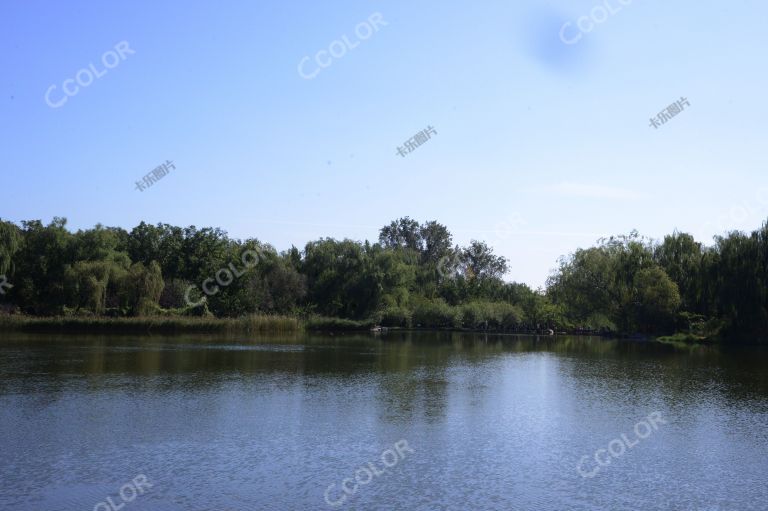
273 324
266 324
152 325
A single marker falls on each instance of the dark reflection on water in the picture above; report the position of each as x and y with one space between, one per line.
496 422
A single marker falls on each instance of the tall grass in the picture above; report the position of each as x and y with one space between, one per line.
261 323
147 325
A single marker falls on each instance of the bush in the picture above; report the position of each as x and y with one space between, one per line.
436 314
511 316
491 316
173 293
600 323
476 315
395 317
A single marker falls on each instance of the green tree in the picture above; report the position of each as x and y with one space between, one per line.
42 263
10 243
479 262
657 300
403 233
141 288
681 258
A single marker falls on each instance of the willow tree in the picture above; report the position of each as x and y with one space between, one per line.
141 288
10 244
86 284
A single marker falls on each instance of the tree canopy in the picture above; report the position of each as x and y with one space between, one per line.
413 275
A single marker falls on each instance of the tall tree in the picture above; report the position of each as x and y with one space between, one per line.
403 233
10 243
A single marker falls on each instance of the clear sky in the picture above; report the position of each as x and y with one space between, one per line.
541 146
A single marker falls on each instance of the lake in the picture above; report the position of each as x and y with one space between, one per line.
405 421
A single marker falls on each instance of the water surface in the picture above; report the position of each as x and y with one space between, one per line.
278 423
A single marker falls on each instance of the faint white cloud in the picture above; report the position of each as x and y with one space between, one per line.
589 191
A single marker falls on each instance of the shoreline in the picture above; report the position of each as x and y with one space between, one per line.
277 324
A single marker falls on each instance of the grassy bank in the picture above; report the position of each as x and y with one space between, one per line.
263 324
267 324
470 318
460 319
151 325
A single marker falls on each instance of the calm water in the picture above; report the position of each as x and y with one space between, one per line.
230 424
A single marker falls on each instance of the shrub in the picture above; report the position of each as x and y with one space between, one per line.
395 317
475 315
511 317
436 314
491 316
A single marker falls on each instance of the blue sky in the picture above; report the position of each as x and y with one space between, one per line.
541 146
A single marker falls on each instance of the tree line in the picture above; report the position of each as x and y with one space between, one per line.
414 275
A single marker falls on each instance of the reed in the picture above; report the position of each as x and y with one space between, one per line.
153 324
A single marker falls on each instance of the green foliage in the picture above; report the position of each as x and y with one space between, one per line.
403 233
143 286
172 296
680 256
656 299
86 284
480 263
477 315
341 278
436 314
413 276
618 280
40 267
395 317
10 243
